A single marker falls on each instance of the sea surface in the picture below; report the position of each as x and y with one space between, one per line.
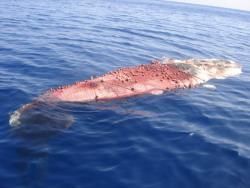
186 138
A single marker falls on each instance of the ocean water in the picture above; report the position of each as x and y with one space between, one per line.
187 138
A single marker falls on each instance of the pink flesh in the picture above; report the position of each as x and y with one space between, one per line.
125 82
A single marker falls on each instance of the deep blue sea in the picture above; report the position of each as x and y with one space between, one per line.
187 138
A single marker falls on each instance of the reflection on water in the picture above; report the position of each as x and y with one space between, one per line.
32 164
42 121
38 126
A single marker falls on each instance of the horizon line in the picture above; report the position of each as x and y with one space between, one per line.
205 5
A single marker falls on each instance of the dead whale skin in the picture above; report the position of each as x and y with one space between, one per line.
153 78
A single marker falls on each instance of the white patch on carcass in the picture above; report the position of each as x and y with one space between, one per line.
15 119
206 69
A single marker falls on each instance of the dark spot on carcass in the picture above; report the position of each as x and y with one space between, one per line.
92 84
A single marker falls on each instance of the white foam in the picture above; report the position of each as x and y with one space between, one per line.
209 86
157 92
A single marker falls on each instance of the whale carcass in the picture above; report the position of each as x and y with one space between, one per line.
153 78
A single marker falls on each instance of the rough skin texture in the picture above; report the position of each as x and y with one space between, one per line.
151 78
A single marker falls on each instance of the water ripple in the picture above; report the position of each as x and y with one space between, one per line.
185 138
